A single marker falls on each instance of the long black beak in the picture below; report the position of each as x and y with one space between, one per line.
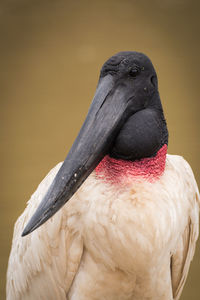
105 117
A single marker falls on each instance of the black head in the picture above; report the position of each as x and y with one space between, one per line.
125 120
144 130
136 71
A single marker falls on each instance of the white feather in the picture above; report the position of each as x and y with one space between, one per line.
113 242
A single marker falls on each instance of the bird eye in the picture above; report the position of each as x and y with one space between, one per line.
134 72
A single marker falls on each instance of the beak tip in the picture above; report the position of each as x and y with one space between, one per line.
31 226
26 231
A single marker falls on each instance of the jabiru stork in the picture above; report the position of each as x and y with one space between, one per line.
130 224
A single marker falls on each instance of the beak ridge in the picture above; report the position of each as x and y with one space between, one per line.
102 123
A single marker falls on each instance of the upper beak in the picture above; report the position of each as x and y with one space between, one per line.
105 117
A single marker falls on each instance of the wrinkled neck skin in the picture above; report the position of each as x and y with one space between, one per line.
117 170
140 148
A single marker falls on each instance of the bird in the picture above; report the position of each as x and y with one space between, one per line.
118 219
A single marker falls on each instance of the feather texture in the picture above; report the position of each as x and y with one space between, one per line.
131 241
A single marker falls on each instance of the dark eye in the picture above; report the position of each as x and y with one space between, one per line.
134 72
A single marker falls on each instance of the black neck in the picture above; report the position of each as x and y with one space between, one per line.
143 134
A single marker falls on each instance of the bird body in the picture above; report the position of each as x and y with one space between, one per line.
132 239
129 227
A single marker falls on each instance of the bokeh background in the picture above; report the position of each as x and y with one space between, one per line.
51 52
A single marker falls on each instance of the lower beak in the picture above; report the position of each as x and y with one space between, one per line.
105 117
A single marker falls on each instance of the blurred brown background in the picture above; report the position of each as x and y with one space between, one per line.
51 53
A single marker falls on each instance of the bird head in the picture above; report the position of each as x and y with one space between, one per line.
125 120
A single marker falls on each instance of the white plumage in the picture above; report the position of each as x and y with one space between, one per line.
109 243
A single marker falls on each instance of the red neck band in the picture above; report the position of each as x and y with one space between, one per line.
147 168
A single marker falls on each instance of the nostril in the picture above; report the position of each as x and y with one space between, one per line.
154 81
